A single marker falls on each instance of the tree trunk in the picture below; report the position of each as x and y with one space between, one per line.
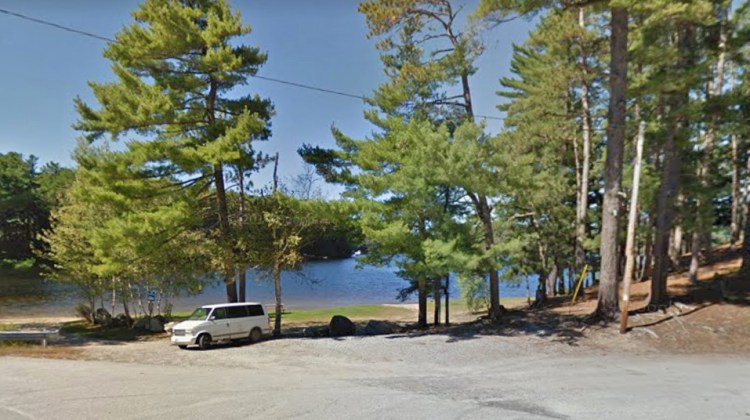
736 194
745 251
648 250
675 243
704 208
436 297
632 224
551 281
221 200
561 280
737 197
583 193
221 197
422 300
746 200
607 301
677 124
447 299
664 216
114 294
485 214
126 310
540 295
92 309
277 292
242 277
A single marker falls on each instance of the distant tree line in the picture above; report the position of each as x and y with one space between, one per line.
28 193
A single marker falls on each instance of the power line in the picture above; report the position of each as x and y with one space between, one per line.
55 25
270 79
300 85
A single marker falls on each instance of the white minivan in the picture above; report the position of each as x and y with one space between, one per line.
222 322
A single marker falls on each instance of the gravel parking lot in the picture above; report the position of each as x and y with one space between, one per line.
432 376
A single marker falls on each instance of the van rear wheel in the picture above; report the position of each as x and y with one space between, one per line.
204 341
255 335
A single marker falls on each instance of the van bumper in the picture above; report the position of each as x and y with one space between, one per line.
182 340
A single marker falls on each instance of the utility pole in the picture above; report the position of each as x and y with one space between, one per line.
632 219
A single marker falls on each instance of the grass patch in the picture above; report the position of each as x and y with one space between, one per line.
9 327
83 329
359 312
365 312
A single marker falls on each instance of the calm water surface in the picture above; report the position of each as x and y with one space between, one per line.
319 284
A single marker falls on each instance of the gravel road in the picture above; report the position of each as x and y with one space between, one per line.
432 376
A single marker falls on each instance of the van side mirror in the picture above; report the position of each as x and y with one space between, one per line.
211 318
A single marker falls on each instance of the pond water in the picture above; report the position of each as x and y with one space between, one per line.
318 284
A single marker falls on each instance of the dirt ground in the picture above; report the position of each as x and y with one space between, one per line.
712 316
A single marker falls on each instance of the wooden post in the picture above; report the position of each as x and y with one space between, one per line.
580 281
632 220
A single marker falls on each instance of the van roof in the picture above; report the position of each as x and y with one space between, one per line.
223 305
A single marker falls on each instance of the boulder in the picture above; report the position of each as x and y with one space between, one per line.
341 326
374 327
102 317
141 324
122 320
155 325
321 331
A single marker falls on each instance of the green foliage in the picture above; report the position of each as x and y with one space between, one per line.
27 195
178 70
476 291
17 265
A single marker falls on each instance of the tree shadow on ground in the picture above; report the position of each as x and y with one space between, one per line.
559 328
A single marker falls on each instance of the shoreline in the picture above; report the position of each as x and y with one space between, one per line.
459 311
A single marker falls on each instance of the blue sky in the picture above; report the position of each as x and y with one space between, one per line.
321 43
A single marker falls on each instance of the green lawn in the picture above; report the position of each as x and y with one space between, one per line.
9 327
358 312
364 312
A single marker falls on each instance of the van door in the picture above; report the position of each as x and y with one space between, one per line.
258 317
219 324
239 323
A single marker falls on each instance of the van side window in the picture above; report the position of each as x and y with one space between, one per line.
219 313
237 311
255 310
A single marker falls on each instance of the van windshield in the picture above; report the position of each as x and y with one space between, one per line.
199 314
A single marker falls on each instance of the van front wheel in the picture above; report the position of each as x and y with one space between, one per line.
255 335
204 341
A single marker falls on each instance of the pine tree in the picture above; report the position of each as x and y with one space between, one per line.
430 28
542 119
177 73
